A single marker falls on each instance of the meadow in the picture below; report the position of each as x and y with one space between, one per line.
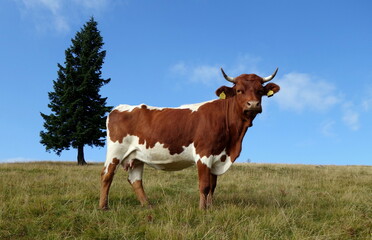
59 200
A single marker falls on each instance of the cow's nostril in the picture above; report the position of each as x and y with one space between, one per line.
253 105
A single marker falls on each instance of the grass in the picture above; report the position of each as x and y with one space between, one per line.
53 200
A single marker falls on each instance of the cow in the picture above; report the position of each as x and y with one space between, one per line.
208 135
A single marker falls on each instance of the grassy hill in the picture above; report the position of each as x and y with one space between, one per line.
53 200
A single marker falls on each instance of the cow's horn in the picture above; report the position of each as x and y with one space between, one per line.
266 79
230 79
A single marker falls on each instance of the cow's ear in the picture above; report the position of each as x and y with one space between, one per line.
225 92
271 89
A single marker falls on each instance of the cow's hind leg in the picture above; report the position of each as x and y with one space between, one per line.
135 179
107 176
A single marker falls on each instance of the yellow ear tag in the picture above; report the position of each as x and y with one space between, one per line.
222 95
270 93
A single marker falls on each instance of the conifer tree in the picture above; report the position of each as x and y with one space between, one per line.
78 110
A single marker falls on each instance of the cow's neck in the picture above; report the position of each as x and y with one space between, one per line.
236 127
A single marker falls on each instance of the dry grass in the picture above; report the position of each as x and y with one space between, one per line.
48 200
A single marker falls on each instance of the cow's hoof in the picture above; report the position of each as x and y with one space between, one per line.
104 208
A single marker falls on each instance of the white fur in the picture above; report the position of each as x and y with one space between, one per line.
135 173
159 157
129 108
194 107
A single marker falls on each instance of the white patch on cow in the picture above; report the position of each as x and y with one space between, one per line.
160 158
194 107
129 108
136 173
215 164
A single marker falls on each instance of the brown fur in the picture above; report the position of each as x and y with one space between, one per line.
140 193
177 128
106 180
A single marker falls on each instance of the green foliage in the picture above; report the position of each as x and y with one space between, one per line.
78 110
252 201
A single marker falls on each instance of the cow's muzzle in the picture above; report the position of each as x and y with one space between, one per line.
253 107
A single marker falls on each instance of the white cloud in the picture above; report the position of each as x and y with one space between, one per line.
327 128
61 24
210 73
179 69
300 91
350 116
367 104
367 101
51 5
92 4
58 15
205 74
45 14
244 64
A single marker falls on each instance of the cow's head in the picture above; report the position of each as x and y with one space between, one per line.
248 90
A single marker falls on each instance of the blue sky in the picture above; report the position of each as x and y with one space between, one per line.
168 53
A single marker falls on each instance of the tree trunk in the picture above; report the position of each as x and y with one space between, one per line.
80 157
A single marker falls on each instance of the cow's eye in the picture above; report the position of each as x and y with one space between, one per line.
261 92
239 91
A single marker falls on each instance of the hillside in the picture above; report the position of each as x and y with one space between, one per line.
53 200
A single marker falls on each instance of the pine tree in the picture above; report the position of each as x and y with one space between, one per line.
78 110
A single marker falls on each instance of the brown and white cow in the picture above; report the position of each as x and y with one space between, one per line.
207 134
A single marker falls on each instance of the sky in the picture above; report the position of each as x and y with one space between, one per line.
169 53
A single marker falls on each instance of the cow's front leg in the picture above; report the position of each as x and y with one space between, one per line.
213 184
135 179
204 184
107 175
